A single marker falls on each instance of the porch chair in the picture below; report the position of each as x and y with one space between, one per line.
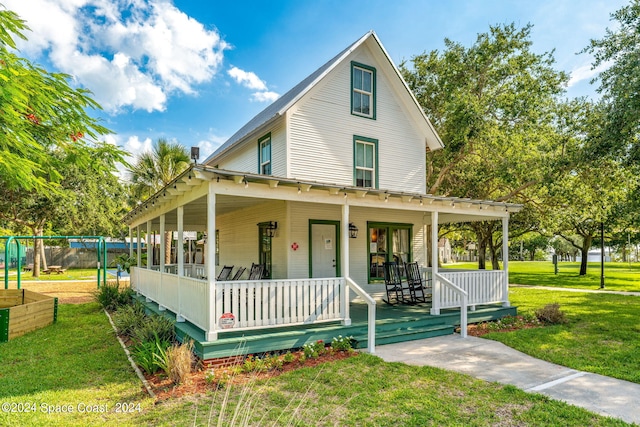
396 291
256 271
239 273
419 291
225 273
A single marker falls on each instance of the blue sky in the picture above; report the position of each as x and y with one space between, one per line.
196 71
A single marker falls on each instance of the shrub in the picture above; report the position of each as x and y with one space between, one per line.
176 361
129 317
146 354
288 357
551 314
341 343
154 325
111 297
314 349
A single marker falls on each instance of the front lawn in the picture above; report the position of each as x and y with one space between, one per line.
618 276
75 363
601 336
70 274
78 364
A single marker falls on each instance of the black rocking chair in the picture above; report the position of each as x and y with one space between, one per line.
225 273
396 291
418 291
256 272
239 273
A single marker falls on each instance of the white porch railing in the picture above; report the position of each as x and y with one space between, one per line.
244 305
450 288
259 304
481 286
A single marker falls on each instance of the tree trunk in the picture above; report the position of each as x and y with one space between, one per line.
495 264
482 252
586 245
38 252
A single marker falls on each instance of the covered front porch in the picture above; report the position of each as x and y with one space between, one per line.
392 324
315 265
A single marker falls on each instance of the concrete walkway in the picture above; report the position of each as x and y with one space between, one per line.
494 361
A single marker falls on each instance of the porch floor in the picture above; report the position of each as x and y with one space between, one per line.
393 324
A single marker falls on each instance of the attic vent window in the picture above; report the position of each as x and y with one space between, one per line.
363 87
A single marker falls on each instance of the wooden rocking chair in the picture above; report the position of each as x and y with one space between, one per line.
225 273
396 291
418 291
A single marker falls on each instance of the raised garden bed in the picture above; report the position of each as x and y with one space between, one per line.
23 311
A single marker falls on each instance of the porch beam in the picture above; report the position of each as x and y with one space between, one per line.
505 260
212 332
435 300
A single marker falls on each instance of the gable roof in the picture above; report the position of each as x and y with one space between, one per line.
280 106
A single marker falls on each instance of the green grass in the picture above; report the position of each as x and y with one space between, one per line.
71 274
601 336
75 361
79 361
618 276
365 391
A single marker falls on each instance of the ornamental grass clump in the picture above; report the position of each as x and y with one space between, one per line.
176 361
551 314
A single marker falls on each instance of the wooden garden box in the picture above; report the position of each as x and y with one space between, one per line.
23 311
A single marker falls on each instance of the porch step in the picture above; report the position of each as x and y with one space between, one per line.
406 334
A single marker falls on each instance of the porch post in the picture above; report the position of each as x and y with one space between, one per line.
211 333
180 250
138 247
180 242
130 242
344 239
162 242
505 260
435 299
149 246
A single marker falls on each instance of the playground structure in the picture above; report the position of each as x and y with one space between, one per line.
23 311
101 250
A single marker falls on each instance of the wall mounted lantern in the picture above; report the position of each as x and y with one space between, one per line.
353 230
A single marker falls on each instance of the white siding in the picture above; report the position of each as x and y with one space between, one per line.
245 159
239 237
301 213
321 130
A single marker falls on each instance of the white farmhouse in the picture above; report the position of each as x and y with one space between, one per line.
319 190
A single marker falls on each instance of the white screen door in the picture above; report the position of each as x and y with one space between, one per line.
324 250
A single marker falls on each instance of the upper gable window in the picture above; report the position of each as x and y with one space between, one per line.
365 162
264 154
363 90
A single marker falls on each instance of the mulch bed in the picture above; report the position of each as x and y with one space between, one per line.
197 384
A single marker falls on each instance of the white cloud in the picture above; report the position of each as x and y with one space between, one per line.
130 53
209 145
250 80
264 96
247 79
585 72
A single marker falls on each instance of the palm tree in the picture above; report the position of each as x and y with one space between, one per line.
156 168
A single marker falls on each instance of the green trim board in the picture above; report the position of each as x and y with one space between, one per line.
388 250
265 249
338 244
4 324
363 139
260 154
357 65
